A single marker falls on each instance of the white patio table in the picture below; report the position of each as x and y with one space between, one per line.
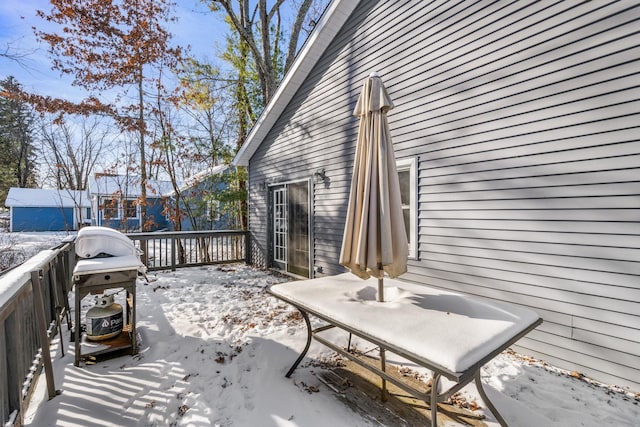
451 334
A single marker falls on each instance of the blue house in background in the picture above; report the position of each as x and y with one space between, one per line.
199 205
115 201
112 200
37 209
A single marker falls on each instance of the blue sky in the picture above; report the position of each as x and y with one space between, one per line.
204 31
196 26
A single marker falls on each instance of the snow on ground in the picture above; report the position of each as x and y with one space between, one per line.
15 248
214 349
34 241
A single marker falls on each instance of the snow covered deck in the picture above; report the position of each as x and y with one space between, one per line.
213 351
451 334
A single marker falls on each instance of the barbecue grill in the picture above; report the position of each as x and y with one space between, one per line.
107 260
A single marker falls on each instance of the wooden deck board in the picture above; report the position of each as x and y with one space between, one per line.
360 390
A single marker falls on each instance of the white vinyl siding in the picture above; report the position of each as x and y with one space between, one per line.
523 118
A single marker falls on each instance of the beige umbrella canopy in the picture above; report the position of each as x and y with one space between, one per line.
374 238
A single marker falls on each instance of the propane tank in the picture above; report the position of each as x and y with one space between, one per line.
104 320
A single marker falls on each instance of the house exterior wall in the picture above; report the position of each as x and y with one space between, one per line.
222 222
197 201
523 119
155 211
42 219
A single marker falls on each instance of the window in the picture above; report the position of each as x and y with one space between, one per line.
110 209
408 194
213 210
85 216
129 209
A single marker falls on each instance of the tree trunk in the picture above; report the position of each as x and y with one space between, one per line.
143 159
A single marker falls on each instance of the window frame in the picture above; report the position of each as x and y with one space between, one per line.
124 207
106 205
410 164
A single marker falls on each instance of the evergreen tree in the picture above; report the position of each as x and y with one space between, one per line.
17 149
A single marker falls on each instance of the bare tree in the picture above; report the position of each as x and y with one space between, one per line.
112 45
13 51
260 27
206 103
70 152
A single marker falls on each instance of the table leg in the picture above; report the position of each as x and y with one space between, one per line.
383 365
488 402
305 316
434 399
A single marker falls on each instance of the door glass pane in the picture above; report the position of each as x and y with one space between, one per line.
298 227
280 214
405 196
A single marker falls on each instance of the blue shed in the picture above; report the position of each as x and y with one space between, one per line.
37 209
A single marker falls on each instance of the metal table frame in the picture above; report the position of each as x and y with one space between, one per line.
461 379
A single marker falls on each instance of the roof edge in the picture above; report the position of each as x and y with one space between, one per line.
18 197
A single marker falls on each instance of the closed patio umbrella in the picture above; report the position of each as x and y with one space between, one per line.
374 238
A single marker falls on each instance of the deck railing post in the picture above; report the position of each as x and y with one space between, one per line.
173 253
56 297
70 263
42 332
144 257
247 259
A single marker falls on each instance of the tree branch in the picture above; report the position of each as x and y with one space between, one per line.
295 34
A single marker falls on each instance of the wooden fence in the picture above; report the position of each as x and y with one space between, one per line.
34 299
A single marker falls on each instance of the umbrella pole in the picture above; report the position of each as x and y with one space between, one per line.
384 394
380 283
383 361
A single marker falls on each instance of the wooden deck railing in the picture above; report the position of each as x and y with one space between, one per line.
169 250
34 299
